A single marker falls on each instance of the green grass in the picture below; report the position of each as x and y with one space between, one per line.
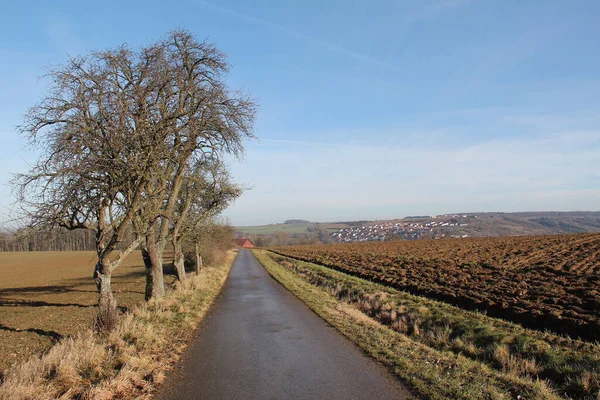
508 359
274 228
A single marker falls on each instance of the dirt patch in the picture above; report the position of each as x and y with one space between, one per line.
45 296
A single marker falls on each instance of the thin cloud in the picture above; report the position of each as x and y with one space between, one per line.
445 4
60 33
307 143
421 13
299 35
358 181
433 9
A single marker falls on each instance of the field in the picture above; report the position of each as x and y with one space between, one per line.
48 295
274 228
541 282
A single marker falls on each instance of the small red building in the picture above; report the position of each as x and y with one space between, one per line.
243 243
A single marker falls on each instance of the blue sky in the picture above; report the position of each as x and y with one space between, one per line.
368 109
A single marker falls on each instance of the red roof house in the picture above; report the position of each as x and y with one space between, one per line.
243 243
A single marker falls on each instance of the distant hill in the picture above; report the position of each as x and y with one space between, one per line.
289 227
535 223
415 227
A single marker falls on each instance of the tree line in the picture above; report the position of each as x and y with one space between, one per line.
59 239
133 147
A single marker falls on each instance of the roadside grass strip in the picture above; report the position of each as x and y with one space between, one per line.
440 350
130 361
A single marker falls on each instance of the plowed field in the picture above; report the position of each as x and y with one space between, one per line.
542 282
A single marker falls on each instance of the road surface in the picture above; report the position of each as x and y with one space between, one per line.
261 342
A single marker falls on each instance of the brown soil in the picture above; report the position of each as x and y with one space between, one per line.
48 295
541 282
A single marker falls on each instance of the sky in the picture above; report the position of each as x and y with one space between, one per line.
368 109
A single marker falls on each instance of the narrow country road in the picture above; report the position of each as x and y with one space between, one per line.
261 342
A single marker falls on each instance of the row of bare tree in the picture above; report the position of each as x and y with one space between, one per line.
133 146
59 239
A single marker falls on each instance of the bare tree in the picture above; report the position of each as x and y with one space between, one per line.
58 239
263 240
91 173
282 238
202 120
210 235
206 192
118 130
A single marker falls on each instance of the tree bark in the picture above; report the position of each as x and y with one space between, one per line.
148 267
152 254
198 258
178 260
107 306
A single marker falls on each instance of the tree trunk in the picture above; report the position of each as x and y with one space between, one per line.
148 265
178 260
107 306
152 254
198 259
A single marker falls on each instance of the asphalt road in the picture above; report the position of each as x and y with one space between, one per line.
261 342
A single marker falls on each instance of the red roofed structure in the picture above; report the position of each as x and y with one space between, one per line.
243 243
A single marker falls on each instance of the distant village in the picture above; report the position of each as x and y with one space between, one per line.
456 225
423 227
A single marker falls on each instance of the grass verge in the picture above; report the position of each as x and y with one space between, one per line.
128 362
440 350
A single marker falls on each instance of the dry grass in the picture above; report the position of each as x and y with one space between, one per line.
130 361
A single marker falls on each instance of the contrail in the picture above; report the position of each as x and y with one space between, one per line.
299 35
